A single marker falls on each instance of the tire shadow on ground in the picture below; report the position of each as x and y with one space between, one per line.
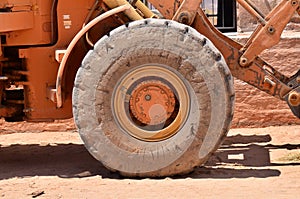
73 161
242 157
63 160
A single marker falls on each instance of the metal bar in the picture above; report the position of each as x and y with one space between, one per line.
145 10
131 13
223 14
74 42
187 11
258 74
269 35
252 11
255 8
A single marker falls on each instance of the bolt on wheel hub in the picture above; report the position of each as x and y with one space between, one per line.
152 102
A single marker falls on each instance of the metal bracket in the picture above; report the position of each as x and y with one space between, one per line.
187 11
59 54
293 97
269 34
293 100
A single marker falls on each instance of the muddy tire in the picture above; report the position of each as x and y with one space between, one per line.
154 98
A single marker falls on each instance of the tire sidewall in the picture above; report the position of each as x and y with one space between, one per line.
111 58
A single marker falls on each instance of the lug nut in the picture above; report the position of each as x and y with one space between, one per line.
148 97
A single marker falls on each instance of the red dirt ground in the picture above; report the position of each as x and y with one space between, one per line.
252 163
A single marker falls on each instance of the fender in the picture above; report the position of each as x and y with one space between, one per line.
62 67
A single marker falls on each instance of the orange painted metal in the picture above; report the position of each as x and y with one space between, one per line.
255 74
269 33
77 37
187 11
294 98
259 73
167 8
26 22
152 102
8 111
21 21
252 11
38 56
33 30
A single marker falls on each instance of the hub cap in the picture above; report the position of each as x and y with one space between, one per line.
151 103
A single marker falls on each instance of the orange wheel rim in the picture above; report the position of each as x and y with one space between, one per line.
151 103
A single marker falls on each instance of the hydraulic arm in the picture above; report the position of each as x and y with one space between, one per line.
243 60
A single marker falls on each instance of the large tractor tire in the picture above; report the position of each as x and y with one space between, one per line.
153 98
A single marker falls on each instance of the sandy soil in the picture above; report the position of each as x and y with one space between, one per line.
252 163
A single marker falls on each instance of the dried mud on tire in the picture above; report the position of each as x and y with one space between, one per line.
176 51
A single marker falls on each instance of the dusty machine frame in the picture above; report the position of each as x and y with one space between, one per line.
243 61
43 43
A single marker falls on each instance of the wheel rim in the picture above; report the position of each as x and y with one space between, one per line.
151 103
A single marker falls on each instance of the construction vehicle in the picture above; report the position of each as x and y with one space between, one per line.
151 94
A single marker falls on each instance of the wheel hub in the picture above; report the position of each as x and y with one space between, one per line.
152 102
